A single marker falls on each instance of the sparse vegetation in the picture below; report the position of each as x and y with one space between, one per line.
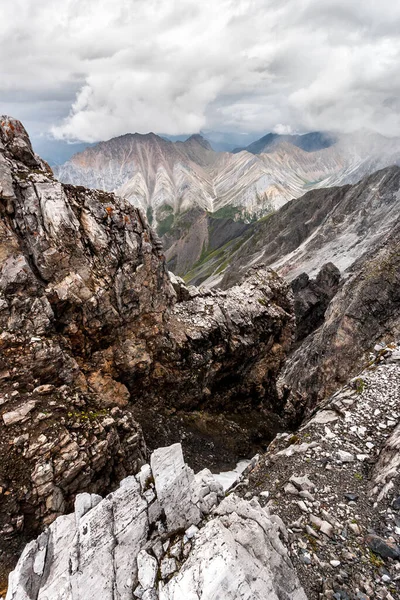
149 214
359 385
375 560
165 219
88 415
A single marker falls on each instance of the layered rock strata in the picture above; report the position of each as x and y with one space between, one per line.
93 338
151 539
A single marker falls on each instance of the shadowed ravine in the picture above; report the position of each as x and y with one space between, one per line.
106 356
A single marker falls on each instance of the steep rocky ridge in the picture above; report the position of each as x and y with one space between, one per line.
93 339
335 484
356 228
335 225
312 298
77 268
365 310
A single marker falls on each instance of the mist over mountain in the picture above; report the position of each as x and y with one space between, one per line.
56 152
194 195
200 300
310 142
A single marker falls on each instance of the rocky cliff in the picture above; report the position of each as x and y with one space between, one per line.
356 229
364 311
95 338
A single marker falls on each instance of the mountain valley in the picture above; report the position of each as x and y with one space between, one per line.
188 191
118 378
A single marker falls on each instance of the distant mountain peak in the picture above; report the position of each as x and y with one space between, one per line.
198 139
310 142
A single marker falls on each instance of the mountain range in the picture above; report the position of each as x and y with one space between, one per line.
185 186
337 224
112 369
168 178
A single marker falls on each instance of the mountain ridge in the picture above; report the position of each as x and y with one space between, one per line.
336 224
153 172
310 142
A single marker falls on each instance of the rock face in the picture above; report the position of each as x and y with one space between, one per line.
131 544
92 339
76 267
224 353
366 310
312 297
335 484
240 553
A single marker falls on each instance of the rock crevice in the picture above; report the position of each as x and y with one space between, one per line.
93 341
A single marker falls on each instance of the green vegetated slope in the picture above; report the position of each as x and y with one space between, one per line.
200 244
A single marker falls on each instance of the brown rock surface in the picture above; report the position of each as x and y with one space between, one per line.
91 338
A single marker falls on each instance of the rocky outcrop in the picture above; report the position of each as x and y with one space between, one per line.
214 384
312 297
76 268
365 311
335 484
149 540
93 341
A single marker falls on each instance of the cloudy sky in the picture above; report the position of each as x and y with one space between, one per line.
93 69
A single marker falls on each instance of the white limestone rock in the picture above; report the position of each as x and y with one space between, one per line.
144 477
19 414
207 490
175 484
84 503
147 570
94 551
109 549
237 556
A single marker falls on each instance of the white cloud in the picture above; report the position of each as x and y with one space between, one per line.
282 129
94 69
